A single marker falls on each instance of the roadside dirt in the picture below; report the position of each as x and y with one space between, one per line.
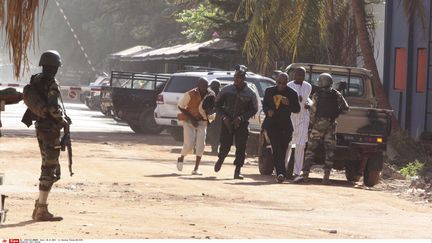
130 188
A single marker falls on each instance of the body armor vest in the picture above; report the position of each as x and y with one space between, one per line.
327 105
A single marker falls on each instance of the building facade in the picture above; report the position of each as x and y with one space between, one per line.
407 75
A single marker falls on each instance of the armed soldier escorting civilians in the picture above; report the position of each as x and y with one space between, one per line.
328 104
42 99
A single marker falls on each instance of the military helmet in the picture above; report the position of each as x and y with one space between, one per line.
325 80
50 58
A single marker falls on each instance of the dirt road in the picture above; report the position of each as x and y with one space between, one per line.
130 188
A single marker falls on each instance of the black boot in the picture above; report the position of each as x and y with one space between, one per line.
218 165
237 173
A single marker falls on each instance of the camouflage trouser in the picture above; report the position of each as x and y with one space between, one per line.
323 131
49 145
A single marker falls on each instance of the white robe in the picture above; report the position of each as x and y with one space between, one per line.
300 120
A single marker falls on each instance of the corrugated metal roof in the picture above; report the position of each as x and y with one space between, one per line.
130 51
183 51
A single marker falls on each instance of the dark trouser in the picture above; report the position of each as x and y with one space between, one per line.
279 139
213 133
226 140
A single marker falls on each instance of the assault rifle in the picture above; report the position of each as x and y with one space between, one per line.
66 143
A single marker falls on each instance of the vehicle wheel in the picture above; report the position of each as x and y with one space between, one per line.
116 116
352 170
265 160
177 133
136 128
373 169
105 112
252 145
148 123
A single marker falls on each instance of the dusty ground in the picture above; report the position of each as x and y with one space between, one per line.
131 189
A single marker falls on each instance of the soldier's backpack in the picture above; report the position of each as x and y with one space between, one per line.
33 99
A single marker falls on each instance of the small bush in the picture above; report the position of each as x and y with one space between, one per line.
412 169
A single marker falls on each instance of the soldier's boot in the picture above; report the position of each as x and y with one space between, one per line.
41 213
35 209
326 177
237 173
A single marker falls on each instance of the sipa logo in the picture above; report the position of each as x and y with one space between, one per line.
14 241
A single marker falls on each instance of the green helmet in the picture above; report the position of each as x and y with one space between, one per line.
50 58
325 80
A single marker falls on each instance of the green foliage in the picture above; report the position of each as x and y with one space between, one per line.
199 22
412 169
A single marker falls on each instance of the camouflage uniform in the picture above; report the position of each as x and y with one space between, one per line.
323 130
48 130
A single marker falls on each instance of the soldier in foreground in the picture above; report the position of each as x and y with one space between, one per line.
41 97
327 105
236 104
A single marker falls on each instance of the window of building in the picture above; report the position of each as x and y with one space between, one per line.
421 70
400 76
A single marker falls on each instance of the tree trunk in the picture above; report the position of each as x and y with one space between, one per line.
359 11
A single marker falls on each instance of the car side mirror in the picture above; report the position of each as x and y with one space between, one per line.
342 86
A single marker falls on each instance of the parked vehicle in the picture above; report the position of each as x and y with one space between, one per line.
131 97
361 134
166 110
93 98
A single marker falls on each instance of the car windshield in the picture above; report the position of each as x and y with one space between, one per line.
356 83
181 84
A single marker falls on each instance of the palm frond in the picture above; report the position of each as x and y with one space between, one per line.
17 18
414 8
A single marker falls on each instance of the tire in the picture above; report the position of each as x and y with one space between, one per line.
265 160
352 170
136 128
252 145
373 169
177 133
148 123
116 116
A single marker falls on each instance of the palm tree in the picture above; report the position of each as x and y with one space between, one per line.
366 47
277 27
17 18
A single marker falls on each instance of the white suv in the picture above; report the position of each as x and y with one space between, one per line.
166 110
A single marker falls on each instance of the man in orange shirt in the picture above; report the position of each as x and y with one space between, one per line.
195 121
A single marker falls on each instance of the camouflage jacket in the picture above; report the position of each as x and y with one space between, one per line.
49 91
